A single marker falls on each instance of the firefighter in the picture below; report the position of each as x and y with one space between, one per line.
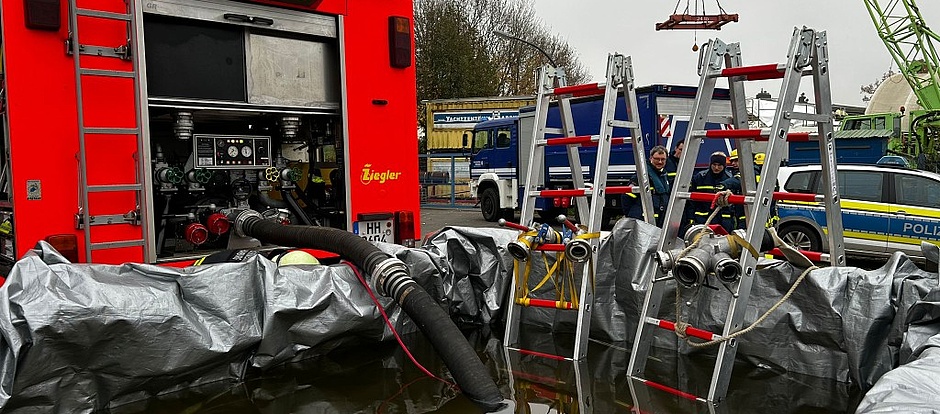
734 184
672 163
732 167
711 181
660 187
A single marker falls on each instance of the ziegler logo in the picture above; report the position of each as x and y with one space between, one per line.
369 176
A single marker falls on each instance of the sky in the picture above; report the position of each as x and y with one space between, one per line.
598 27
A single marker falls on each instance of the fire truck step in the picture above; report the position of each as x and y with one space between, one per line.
103 14
113 131
111 188
758 72
109 73
117 244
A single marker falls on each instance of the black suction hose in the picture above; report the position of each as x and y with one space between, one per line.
390 277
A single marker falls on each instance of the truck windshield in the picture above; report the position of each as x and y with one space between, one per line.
481 140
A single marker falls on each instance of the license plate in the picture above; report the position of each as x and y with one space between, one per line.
375 230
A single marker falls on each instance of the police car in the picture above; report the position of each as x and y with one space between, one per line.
884 209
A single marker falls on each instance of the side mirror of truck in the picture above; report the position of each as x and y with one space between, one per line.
466 140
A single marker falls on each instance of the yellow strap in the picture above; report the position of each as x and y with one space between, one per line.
586 236
738 241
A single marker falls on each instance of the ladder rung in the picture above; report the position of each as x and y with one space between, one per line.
809 198
709 197
803 116
755 134
557 131
626 189
585 140
623 124
740 199
551 247
546 303
669 389
103 14
814 256
117 244
112 131
690 330
715 119
113 188
576 192
538 354
589 89
759 72
109 73
578 140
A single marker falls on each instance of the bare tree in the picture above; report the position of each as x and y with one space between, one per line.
458 55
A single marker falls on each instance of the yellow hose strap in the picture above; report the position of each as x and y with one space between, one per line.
737 242
551 271
559 304
585 236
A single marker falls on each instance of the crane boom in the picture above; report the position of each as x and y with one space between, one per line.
911 43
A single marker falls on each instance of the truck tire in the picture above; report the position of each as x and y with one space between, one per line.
802 237
489 205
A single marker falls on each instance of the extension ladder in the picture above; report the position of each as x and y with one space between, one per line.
590 201
807 56
113 150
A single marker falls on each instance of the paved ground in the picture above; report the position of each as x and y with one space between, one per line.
434 218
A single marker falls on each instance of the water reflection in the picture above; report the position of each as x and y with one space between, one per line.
379 378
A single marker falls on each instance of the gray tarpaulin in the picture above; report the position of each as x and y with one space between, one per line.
78 337
914 387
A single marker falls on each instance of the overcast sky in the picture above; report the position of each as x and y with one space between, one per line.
598 27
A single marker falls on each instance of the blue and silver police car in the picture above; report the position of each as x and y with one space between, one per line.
884 209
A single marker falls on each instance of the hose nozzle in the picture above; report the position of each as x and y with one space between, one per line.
578 250
520 248
727 269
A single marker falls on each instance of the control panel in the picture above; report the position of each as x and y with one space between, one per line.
232 151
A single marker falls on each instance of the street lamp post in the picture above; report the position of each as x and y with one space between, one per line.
507 35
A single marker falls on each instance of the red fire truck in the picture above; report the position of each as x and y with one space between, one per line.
131 126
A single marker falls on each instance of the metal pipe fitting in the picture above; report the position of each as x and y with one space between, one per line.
390 278
578 250
183 125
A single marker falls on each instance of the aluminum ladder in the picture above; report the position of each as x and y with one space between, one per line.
807 56
589 200
112 200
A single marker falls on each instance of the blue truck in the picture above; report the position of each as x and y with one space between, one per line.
500 148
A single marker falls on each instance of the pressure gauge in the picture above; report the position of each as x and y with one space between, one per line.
246 151
232 151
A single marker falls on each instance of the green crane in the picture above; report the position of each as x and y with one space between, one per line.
911 43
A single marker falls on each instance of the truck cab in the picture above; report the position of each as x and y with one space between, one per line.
494 153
